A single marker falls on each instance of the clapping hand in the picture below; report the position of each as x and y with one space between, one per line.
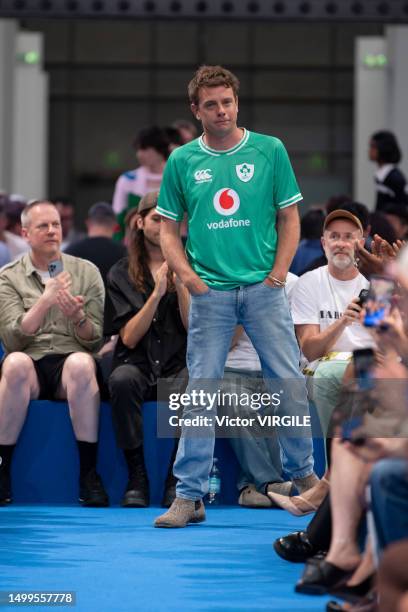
382 253
71 306
160 286
53 286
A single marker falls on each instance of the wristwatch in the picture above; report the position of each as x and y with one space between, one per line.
81 322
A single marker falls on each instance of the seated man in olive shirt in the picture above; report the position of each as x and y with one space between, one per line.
49 327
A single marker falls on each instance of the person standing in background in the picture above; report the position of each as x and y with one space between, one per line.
187 130
390 183
99 248
14 245
66 209
152 150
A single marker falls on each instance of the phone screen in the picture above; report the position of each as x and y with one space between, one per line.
379 300
363 360
55 267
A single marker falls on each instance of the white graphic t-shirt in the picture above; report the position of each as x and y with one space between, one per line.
320 299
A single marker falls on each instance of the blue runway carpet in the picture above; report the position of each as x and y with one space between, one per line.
115 561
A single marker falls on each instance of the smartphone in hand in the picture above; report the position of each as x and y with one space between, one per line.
364 361
55 267
378 303
363 296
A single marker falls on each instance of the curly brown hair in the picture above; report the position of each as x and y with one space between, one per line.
211 76
138 267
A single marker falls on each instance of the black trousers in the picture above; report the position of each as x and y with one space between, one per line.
319 530
129 387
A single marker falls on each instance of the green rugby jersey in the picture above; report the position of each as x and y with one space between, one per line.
231 198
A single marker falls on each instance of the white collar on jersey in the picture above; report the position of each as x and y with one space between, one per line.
218 152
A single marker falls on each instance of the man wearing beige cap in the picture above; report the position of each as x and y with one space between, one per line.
325 310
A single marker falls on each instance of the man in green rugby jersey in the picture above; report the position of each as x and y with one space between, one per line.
240 194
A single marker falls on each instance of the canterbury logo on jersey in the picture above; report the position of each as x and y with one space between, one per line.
203 176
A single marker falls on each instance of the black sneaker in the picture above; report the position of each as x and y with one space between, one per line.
91 491
169 494
137 489
5 488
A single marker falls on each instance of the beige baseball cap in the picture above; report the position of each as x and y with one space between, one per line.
342 214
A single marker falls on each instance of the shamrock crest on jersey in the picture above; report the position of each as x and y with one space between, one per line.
245 172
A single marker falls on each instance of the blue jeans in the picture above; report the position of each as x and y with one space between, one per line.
389 500
258 455
264 313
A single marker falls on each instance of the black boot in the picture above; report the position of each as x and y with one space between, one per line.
137 488
6 452
91 491
5 488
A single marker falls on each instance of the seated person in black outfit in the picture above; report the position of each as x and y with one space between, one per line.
150 315
99 248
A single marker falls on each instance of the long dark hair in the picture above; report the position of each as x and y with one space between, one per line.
138 268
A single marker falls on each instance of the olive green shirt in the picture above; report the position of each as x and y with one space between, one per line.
21 287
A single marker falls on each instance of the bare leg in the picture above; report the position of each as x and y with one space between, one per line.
18 385
79 386
349 476
366 567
